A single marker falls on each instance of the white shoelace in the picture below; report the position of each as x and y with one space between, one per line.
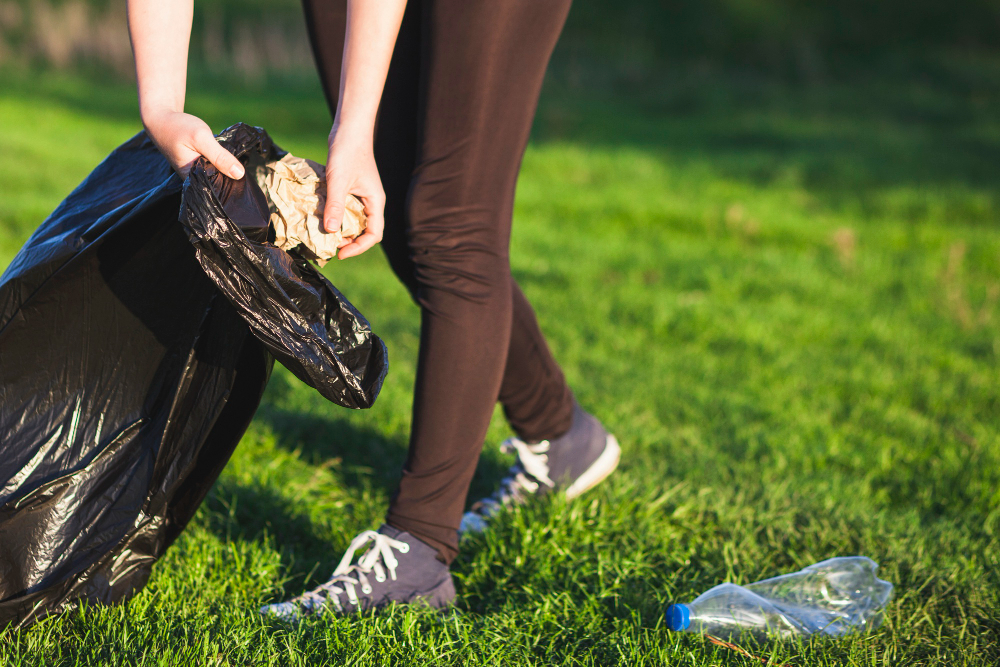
530 471
347 576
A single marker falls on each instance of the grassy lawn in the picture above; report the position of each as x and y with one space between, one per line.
784 301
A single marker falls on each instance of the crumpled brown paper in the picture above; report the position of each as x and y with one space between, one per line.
296 190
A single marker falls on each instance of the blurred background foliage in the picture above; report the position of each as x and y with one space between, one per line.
807 38
630 41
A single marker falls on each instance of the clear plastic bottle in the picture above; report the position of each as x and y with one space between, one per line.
834 597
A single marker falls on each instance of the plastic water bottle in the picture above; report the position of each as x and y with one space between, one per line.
834 597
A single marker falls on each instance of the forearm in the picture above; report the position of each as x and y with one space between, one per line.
160 31
372 26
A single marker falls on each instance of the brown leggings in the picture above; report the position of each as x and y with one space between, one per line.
453 124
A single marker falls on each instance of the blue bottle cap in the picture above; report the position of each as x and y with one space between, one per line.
678 617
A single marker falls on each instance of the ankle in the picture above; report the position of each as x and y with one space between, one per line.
443 552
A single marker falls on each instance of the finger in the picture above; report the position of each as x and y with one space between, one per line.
375 223
222 159
375 215
359 245
333 213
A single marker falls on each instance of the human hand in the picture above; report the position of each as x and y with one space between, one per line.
350 169
183 138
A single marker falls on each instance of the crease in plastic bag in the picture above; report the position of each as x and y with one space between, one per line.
290 306
129 371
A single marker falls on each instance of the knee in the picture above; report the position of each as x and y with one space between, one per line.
473 272
460 251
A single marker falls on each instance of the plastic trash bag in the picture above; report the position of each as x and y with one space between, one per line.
290 306
138 328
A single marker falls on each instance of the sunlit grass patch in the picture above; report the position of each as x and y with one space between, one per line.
787 315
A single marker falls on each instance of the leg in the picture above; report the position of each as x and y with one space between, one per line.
536 400
480 70
482 65
454 122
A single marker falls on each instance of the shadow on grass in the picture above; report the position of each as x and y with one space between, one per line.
364 458
307 550
361 454
364 455
238 511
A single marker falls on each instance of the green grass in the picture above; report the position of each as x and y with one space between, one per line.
783 301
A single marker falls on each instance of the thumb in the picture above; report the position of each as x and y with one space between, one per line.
222 159
333 213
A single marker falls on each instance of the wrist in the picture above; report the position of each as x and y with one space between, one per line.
353 130
151 112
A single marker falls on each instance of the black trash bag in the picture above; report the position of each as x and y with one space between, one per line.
290 306
131 364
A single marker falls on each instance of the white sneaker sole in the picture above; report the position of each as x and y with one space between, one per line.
598 470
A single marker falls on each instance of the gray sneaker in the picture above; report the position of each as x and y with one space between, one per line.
379 578
573 463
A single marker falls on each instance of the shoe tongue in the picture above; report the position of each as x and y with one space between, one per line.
419 549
